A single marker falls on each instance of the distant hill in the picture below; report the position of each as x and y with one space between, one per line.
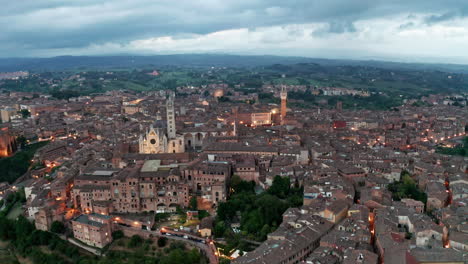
198 60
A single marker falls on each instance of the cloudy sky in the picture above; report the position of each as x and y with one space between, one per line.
402 30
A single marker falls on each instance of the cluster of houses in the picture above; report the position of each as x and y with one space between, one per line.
115 159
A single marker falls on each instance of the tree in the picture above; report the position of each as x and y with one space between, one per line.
162 241
23 227
25 113
6 229
161 216
135 240
271 209
265 230
235 181
57 227
408 235
202 214
238 185
219 229
226 210
176 256
193 256
117 234
39 237
406 188
280 187
224 261
21 140
193 203
223 99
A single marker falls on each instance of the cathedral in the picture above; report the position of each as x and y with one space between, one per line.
157 140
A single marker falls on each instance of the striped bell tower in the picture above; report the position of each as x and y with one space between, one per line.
171 126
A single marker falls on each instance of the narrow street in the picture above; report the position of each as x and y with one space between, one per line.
209 249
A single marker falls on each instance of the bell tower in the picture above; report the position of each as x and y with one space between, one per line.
171 127
284 96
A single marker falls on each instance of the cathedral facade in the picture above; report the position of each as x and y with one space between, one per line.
159 141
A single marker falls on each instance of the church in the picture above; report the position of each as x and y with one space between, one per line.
157 140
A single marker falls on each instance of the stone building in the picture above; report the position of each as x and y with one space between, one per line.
45 216
93 229
209 178
141 188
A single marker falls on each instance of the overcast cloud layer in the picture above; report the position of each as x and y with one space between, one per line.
408 30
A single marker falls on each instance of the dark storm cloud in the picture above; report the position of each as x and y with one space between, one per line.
30 25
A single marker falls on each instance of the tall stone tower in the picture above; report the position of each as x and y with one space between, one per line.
284 96
339 106
171 127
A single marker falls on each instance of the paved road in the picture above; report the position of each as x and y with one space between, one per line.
209 249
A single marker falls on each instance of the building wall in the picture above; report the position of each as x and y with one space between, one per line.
259 119
92 235
176 145
459 246
132 195
209 180
42 220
